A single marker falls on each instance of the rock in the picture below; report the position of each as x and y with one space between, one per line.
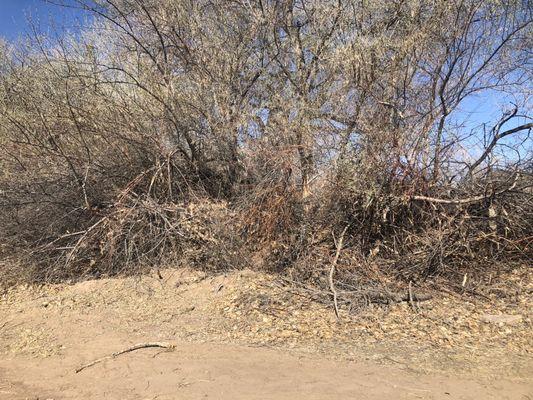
503 319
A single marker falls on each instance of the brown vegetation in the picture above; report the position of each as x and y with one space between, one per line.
224 134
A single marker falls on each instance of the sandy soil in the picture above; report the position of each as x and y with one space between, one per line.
242 336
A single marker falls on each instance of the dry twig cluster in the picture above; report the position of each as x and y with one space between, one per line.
224 134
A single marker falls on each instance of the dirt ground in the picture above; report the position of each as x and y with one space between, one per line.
243 336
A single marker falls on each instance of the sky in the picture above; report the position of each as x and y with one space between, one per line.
14 16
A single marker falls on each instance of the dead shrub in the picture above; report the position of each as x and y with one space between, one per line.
223 135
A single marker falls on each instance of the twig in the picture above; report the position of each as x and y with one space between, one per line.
4 325
84 189
332 270
411 296
128 350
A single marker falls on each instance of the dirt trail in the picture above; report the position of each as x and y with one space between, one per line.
195 371
46 333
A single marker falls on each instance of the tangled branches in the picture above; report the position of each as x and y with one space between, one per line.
225 135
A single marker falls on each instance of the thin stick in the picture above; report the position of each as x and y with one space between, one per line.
129 349
332 270
411 296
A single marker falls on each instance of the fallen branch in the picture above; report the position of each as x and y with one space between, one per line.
128 350
377 296
386 297
468 200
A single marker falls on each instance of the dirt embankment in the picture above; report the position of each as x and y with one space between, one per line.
243 336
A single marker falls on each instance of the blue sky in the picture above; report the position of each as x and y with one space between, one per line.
14 16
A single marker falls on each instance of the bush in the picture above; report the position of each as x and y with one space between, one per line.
222 135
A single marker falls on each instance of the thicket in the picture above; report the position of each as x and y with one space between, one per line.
255 133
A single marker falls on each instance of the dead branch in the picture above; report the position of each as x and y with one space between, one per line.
332 270
128 350
468 200
499 135
386 297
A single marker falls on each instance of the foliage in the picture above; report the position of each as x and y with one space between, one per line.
226 134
